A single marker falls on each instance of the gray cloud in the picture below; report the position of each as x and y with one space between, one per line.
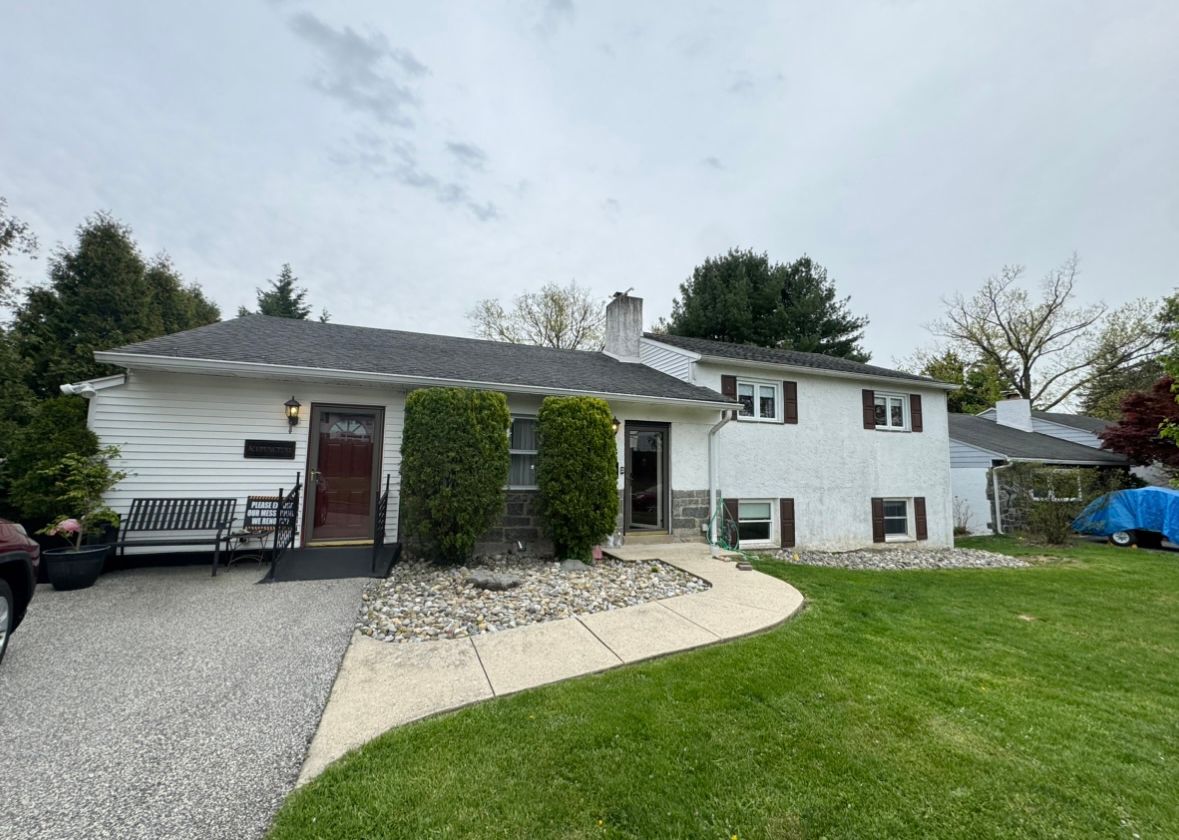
713 162
554 14
398 160
364 72
468 154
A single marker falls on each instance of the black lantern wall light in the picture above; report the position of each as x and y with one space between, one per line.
292 406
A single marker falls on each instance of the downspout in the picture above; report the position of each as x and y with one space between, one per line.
713 470
995 491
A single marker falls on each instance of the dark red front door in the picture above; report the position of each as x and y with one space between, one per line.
345 443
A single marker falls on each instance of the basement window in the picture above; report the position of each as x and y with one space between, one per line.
755 522
896 519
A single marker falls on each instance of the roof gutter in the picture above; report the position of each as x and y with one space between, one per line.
260 369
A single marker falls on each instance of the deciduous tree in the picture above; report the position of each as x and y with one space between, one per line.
564 317
1139 433
979 382
1050 348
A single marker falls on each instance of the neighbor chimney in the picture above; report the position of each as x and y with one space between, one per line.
1014 411
624 327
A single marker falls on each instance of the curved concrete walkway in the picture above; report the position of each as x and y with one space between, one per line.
384 684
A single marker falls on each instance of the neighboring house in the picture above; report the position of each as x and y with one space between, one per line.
801 449
1012 433
1079 428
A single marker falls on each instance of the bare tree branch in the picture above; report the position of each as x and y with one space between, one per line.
564 317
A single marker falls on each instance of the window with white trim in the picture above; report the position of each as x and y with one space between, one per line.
892 412
1056 485
522 445
760 400
755 522
897 519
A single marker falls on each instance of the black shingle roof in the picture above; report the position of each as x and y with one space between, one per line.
261 339
1016 443
796 358
1077 421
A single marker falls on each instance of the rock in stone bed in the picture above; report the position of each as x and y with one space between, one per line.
495 581
422 601
889 559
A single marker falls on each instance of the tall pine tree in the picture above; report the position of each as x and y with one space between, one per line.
101 294
284 299
742 297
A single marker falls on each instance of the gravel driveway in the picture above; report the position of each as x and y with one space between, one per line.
163 703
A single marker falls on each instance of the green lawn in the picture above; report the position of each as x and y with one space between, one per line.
1040 702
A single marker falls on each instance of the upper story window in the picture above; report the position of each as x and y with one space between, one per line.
523 446
892 412
760 400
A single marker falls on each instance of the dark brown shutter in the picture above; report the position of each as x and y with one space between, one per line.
786 508
877 520
729 386
869 398
919 516
915 412
789 402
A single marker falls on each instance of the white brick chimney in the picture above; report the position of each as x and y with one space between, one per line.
1014 411
624 327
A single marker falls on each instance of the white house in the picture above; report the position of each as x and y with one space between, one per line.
799 449
1009 433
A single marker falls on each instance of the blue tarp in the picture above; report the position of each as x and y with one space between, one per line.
1144 509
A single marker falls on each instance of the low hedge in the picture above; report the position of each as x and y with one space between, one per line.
576 472
454 467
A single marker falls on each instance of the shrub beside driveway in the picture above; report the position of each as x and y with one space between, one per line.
1030 702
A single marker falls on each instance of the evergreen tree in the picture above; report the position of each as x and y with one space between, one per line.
100 295
285 298
743 298
980 385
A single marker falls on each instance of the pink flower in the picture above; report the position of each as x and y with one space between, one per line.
68 526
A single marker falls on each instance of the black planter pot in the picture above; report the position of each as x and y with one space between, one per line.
74 568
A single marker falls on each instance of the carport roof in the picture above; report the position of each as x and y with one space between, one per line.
261 342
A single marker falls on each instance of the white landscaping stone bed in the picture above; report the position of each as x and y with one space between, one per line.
886 559
421 602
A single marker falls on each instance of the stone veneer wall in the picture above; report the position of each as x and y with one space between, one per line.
689 514
519 523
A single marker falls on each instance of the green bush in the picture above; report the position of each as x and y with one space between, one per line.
57 428
454 467
577 469
1046 499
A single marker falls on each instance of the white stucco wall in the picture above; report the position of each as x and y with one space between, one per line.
183 434
970 488
831 465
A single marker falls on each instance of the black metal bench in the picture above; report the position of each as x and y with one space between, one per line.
171 516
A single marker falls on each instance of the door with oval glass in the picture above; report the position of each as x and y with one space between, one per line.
647 483
343 464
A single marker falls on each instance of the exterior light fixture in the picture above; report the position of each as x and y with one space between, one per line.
616 424
292 406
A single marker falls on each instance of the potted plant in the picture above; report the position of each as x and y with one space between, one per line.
82 482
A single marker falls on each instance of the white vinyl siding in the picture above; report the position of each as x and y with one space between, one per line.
965 455
183 435
675 363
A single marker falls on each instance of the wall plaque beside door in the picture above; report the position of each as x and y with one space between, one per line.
281 449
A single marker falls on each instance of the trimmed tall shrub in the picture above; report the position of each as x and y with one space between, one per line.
56 428
454 467
576 471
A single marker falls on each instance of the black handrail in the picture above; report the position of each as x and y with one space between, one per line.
286 523
379 524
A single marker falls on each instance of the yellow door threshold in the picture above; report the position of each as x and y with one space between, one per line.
336 543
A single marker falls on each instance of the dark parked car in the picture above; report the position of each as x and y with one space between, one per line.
19 556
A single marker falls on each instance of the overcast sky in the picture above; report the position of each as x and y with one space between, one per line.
410 158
